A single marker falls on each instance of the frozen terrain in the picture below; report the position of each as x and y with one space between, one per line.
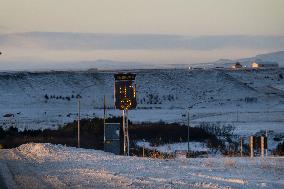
248 99
171 148
55 166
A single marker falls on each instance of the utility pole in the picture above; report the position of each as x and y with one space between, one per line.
266 150
104 108
241 146
104 117
78 121
79 97
188 131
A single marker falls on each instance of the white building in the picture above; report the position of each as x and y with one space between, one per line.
264 64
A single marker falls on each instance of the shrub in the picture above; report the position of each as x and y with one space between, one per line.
279 149
46 97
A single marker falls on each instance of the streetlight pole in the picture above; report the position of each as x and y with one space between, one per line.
79 111
78 139
188 131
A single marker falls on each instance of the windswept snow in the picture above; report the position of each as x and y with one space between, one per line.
212 95
55 166
170 148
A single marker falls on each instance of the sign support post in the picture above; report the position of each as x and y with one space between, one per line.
125 99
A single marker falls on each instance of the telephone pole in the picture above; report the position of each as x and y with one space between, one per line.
104 118
241 146
78 127
79 112
188 131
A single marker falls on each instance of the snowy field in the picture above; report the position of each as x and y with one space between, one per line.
55 166
210 95
246 121
247 99
171 148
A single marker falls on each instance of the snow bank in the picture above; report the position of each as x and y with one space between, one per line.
57 166
168 148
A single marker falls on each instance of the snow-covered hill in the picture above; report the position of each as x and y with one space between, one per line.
47 99
56 166
35 51
266 57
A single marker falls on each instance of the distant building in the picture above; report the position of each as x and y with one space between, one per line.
237 65
264 64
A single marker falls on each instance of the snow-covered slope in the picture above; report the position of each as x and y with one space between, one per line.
274 57
266 57
46 99
56 166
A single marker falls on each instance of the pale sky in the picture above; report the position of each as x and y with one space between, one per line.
186 17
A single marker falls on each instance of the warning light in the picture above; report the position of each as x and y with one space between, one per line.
125 91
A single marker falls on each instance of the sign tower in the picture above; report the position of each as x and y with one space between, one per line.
125 99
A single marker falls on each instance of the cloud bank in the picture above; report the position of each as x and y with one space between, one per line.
60 47
90 41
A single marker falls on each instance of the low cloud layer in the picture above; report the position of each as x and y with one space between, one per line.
60 48
89 41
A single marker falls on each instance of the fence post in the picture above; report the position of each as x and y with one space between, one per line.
251 145
266 149
262 146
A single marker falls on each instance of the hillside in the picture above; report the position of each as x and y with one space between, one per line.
47 99
269 57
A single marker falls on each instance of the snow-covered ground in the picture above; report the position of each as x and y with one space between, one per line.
212 95
171 148
247 99
55 166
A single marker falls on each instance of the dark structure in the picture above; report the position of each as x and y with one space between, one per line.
125 91
125 99
112 138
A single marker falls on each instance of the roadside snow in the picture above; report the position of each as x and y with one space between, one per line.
169 148
55 166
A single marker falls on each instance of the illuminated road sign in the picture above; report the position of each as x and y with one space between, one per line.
125 91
